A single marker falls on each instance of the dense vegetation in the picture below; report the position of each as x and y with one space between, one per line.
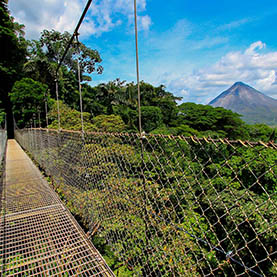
28 74
13 56
151 205
199 181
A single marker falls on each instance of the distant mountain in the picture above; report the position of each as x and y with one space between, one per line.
247 101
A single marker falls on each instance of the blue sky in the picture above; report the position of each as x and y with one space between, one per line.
197 49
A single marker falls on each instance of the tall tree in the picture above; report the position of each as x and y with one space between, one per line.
45 54
13 50
28 98
207 118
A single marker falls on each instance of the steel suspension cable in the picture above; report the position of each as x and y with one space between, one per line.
64 54
75 32
142 136
137 65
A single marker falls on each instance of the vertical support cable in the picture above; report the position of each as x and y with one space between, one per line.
80 86
46 116
39 123
58 104
81 100
137 65
35 120
46 108
142 137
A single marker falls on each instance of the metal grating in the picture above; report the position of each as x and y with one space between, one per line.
28 202
25 188
38 236
46 243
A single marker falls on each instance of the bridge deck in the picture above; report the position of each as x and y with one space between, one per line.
38 236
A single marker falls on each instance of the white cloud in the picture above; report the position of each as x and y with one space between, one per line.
251 51
144 22
253 66
103 15
235 24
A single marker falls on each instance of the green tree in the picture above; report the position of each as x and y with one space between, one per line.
55 44
151 118
28 99
120 98
206 118
44 56
70 119
184 130
109 123
158 96
13 50
261 132
91 101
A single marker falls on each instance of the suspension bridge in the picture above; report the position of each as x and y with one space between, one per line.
160 205
165 205
39 237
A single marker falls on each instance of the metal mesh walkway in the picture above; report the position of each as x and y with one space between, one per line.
38 236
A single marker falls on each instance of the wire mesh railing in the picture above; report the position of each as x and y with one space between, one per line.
3 143
168 206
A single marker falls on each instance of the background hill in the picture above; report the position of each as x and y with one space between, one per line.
247 101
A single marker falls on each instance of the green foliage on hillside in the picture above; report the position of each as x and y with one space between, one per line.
70 118
109 123
13 55
149 221
28 97
261 132
206 118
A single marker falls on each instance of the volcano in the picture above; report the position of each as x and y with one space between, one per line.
254 106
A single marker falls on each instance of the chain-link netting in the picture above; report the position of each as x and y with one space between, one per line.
169 206
3 143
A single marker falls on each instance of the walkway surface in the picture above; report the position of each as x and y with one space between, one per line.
38 236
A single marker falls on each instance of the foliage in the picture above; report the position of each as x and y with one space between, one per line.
182 129
152 197
120 98
129 116
55 44
262 132
109 123
70 118
155 203
13 49
208 118
158 96
44 56
28 97
151 118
